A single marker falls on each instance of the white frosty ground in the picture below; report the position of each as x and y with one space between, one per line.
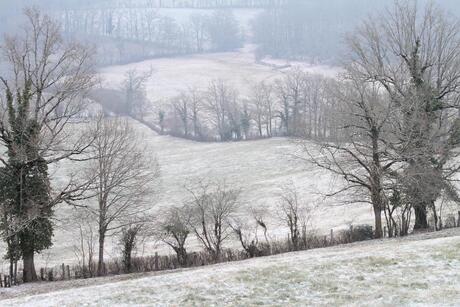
239 69
259 168
420 270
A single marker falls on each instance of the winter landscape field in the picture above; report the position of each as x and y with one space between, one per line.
229 153
261 168
277 161
421 271
240 69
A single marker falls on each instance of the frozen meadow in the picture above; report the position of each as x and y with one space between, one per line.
163 220
240 69
422 270
261 169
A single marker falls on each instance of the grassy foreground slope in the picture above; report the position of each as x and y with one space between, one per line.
419 270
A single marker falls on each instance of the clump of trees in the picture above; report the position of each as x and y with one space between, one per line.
44 85
399 116
213 216
299 104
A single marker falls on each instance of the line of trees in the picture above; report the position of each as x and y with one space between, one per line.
299 104
209 4
125 35
212 215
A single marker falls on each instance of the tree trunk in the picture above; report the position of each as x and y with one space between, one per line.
30 274
421 221
15 273
378 222
11 266
100 263
182 256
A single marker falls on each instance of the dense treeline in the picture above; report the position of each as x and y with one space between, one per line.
133 35
299 104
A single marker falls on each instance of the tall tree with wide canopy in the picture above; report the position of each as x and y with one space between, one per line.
44 80
413 53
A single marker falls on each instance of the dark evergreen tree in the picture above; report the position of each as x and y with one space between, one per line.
26 197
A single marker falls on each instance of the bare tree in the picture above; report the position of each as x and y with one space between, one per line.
247 236
181 109
212 207
246 231
296 84
291 94
133 87
125 179
195 98
221 100
414 54
198 23
295 213
44 79
263 101
364 159
174 229
85 242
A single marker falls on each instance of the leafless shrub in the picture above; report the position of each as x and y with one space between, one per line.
212 207
174 229
296 215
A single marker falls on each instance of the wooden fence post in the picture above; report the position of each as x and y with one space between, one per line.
42 274
50 275
332 236
157 267
63 271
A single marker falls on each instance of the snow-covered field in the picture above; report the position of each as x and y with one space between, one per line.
422 270
239 69
259 168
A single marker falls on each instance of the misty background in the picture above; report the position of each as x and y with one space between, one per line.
134 30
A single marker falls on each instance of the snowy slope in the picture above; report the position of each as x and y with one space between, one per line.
259 168
416 271
170 75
